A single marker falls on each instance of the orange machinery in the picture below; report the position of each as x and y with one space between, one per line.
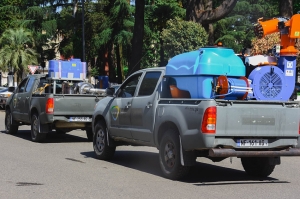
289 31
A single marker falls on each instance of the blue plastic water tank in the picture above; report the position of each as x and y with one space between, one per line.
194 71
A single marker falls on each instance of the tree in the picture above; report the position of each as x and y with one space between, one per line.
236 30
116 33
157 16
203 12
183 36
17 51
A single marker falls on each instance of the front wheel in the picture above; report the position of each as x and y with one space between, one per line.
101 148
11 126
36 136
169 156
258 166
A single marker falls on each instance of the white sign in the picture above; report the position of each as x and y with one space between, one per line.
289 64
32 68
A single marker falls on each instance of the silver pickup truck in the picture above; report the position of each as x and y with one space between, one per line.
46 105
144 111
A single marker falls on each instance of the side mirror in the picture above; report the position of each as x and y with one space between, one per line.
110 92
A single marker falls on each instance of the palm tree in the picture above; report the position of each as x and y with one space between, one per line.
17 51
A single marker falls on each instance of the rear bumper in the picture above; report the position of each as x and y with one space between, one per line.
233 153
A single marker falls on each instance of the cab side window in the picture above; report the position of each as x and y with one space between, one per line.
149 83
29 85
21 87
129 87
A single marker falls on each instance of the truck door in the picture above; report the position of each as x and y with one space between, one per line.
121 107
17 102
26 98
143 107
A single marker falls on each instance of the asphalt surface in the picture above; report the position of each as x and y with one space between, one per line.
65 167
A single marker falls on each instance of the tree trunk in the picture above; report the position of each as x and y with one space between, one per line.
112 72
201 11
138 35
119 66
75 7
286 8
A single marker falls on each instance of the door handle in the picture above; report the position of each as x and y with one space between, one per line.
128 105
149 105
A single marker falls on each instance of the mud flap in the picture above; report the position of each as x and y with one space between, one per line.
187 158
44 128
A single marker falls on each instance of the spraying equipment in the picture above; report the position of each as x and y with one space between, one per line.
216 72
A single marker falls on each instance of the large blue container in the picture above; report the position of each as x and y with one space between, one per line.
58 68
194 71
73 69
77 68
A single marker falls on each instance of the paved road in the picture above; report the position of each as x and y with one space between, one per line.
65 167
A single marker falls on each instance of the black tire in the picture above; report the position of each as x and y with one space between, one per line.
169 156
36 136
101 148
11 126
257 166
89 135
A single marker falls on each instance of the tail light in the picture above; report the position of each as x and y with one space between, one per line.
50 106
209 121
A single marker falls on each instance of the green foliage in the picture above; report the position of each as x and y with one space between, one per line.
236 30
17 50
94 72
156 17
183 36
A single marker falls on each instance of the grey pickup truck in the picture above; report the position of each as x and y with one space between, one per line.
147 111
49 104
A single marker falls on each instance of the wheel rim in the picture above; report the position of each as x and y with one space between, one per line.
35 126
100 140
8 121
170 154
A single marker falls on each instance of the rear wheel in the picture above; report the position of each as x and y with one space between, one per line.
36 136
101 148
258 166
11 126
169 156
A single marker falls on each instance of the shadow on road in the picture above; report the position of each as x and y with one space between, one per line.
51 137
202 174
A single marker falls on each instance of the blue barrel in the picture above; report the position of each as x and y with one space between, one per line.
103 82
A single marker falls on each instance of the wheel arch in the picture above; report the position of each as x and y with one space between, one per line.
99 118
163 129
33 111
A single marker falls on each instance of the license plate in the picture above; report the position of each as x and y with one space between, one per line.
80 119
252 142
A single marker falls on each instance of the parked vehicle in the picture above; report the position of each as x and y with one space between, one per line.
48 103
4 95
